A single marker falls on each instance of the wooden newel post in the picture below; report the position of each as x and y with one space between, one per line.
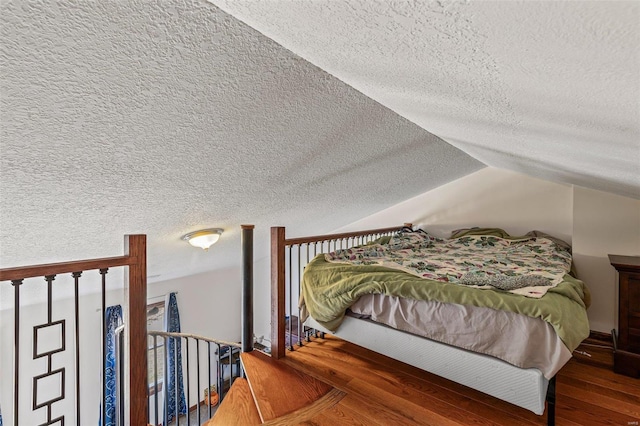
247 288
136 283
277 292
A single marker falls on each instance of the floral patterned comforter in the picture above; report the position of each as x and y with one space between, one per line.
526 266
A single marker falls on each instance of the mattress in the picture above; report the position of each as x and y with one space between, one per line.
524 387
520 340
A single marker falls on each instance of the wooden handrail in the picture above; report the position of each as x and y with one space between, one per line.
21 272
279 242
195 337
341 236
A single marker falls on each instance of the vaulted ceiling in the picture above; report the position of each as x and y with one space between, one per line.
550 89
165 117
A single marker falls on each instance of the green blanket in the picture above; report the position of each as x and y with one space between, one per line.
328 289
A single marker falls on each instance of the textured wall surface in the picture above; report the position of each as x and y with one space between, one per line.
550 89
169 116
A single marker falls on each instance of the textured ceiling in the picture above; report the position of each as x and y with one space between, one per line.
169 116
547 88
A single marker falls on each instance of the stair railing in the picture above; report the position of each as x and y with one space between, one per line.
61 360
217 365
289 256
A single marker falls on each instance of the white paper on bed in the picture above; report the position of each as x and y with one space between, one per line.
520 340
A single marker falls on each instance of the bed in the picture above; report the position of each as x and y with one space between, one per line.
498 313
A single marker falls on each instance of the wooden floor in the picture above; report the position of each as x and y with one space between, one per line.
382 391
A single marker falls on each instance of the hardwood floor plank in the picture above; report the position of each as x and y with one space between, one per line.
587 393
463 408
370 413
237 408
602 398
323 404
574 409
601 376
341 414
381 391
278 389
417 384
389 401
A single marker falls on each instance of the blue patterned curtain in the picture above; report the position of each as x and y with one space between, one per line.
174 358
113 319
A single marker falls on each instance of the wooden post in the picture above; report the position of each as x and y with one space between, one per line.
277 292
247 288
136 284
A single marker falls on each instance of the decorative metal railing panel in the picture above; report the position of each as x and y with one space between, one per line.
53 341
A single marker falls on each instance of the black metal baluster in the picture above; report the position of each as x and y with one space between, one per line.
155 378
76 298
186 341
166 381
175 378
16 339
290 298
218 380
230 366
103 273
209 375
198 379
307 244
299 279
120 377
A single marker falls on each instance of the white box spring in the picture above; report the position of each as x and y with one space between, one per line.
526 388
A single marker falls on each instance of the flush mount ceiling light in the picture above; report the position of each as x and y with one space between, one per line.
204 238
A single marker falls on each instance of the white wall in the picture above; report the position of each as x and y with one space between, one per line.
262 299
209 303
603 224
489 197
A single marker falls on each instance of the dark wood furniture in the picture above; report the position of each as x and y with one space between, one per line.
627 349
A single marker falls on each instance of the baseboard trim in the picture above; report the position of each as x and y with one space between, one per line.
600 337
